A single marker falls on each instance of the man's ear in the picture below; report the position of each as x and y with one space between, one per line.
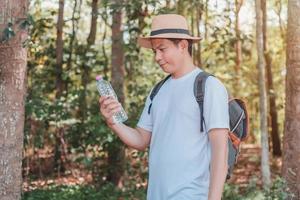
183 44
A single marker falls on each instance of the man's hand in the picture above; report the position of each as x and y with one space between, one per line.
108 107
136 138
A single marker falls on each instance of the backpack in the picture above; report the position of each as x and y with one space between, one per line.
238 117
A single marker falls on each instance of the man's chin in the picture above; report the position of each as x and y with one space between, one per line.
165 68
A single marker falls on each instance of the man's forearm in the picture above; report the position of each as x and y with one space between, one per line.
218 172
130 136
218 165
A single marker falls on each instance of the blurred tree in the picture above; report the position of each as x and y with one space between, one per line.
291 147
86 68
206 20
278 11
238 44
93 30
116 150
60 85
60 145
13 62
276 148
199 6
75 19
265 166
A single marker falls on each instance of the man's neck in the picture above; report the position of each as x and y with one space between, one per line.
186 67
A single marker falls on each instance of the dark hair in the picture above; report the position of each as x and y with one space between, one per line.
190 44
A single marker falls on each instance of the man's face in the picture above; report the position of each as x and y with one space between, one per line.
167 54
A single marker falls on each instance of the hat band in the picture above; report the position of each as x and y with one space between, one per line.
169 30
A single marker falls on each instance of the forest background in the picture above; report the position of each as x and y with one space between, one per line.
67 150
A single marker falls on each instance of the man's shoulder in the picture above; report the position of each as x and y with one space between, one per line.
213 83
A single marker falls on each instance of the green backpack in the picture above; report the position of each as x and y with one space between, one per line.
238 117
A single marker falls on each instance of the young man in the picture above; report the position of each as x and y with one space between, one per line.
184 163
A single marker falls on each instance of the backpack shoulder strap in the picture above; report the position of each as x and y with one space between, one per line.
155 91
199 91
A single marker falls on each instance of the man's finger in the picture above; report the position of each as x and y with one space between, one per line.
113 105
108 101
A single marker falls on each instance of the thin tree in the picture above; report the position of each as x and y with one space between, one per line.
60 145
238 43
206 20
199 12
13 64
59 49
116 151
291 140
266 177
86 69
271 93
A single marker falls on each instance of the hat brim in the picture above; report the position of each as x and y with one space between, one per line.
146 41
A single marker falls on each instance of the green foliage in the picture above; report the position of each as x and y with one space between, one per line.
107 192
8 32
277 191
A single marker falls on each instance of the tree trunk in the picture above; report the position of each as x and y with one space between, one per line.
271 94
116 153
86 69
168 4
194 53
238 44
59 50
59 158
291 147
93 30
199 11
13 62
266 177
206 20
180 8
74 31
278 12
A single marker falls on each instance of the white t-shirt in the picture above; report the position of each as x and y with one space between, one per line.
179 155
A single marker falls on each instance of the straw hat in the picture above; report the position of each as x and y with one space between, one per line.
167 26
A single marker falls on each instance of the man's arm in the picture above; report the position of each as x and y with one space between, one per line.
137 138
218 168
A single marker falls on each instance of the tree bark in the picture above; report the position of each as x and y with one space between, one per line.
206 20
266 177
271 93
168 4
59 50
199 11
238 44
116 153
278 12
86 69
13 64
291 147
93 30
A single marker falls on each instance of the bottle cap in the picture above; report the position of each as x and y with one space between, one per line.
99 77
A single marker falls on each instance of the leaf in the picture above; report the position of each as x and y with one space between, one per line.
8 32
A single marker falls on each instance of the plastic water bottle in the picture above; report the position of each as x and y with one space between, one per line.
105 89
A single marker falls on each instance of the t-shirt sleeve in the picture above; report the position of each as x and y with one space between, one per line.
216 112
145 121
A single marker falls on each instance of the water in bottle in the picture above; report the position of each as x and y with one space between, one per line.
105 89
